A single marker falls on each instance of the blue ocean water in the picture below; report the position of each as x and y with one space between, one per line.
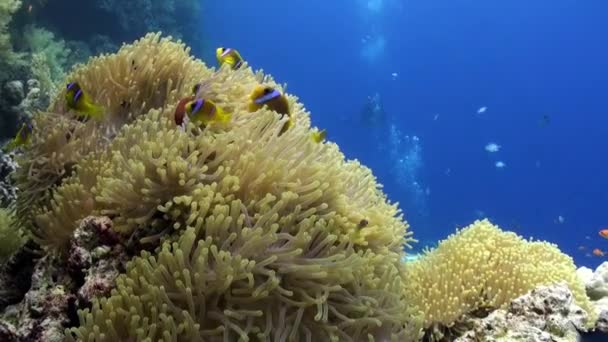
538 67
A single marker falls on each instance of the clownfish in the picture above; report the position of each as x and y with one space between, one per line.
180 110
204 112
23 137
318 136
265 96
77 100
229 56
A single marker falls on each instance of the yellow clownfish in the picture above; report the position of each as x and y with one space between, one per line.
229 56
23 137
273 100
204 112
318 136
77 100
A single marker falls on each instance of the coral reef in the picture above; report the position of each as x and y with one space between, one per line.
176 18
239 231
8 57
56 285
596 285
484 268
546 314
7 189
243 232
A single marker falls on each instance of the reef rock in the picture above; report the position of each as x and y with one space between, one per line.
13 92
58 286
547 313
596 284
7 190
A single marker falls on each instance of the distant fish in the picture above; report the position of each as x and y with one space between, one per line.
435 117
499 164
482 110
394 76
604 233
560 219
598 252
492 147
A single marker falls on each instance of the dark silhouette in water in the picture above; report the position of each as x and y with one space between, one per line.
373 112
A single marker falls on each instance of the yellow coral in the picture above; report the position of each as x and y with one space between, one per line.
260 233
153 72
482 266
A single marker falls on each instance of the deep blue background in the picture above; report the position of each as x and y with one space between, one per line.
523 59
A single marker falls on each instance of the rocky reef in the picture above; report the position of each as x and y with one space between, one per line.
140 229
546 314
7 189
38 45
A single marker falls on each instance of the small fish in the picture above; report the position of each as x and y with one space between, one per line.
319 136
482 110
604 233
77 100
180 110
560 219
598 252
435 117
23 137
394 76
204 112
363 223
492 147
273 100
499 164
229 56
582 248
